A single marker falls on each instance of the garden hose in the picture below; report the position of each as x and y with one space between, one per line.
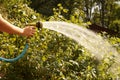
39 26
16 58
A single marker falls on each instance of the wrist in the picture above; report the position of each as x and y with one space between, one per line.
21 32
18 30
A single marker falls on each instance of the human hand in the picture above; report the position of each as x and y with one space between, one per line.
29 31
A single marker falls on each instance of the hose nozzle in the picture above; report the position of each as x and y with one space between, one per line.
38 24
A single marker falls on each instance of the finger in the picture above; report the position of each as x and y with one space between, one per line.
33 27
33 33
30 35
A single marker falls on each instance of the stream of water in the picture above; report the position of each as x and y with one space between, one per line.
93 42
87 38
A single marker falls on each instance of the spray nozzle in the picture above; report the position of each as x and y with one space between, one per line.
38 24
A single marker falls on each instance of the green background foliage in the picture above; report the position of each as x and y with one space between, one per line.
51 55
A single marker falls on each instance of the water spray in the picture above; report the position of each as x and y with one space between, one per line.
39 25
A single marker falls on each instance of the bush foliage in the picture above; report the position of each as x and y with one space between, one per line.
51 55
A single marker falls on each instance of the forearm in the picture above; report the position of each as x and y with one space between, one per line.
9 28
